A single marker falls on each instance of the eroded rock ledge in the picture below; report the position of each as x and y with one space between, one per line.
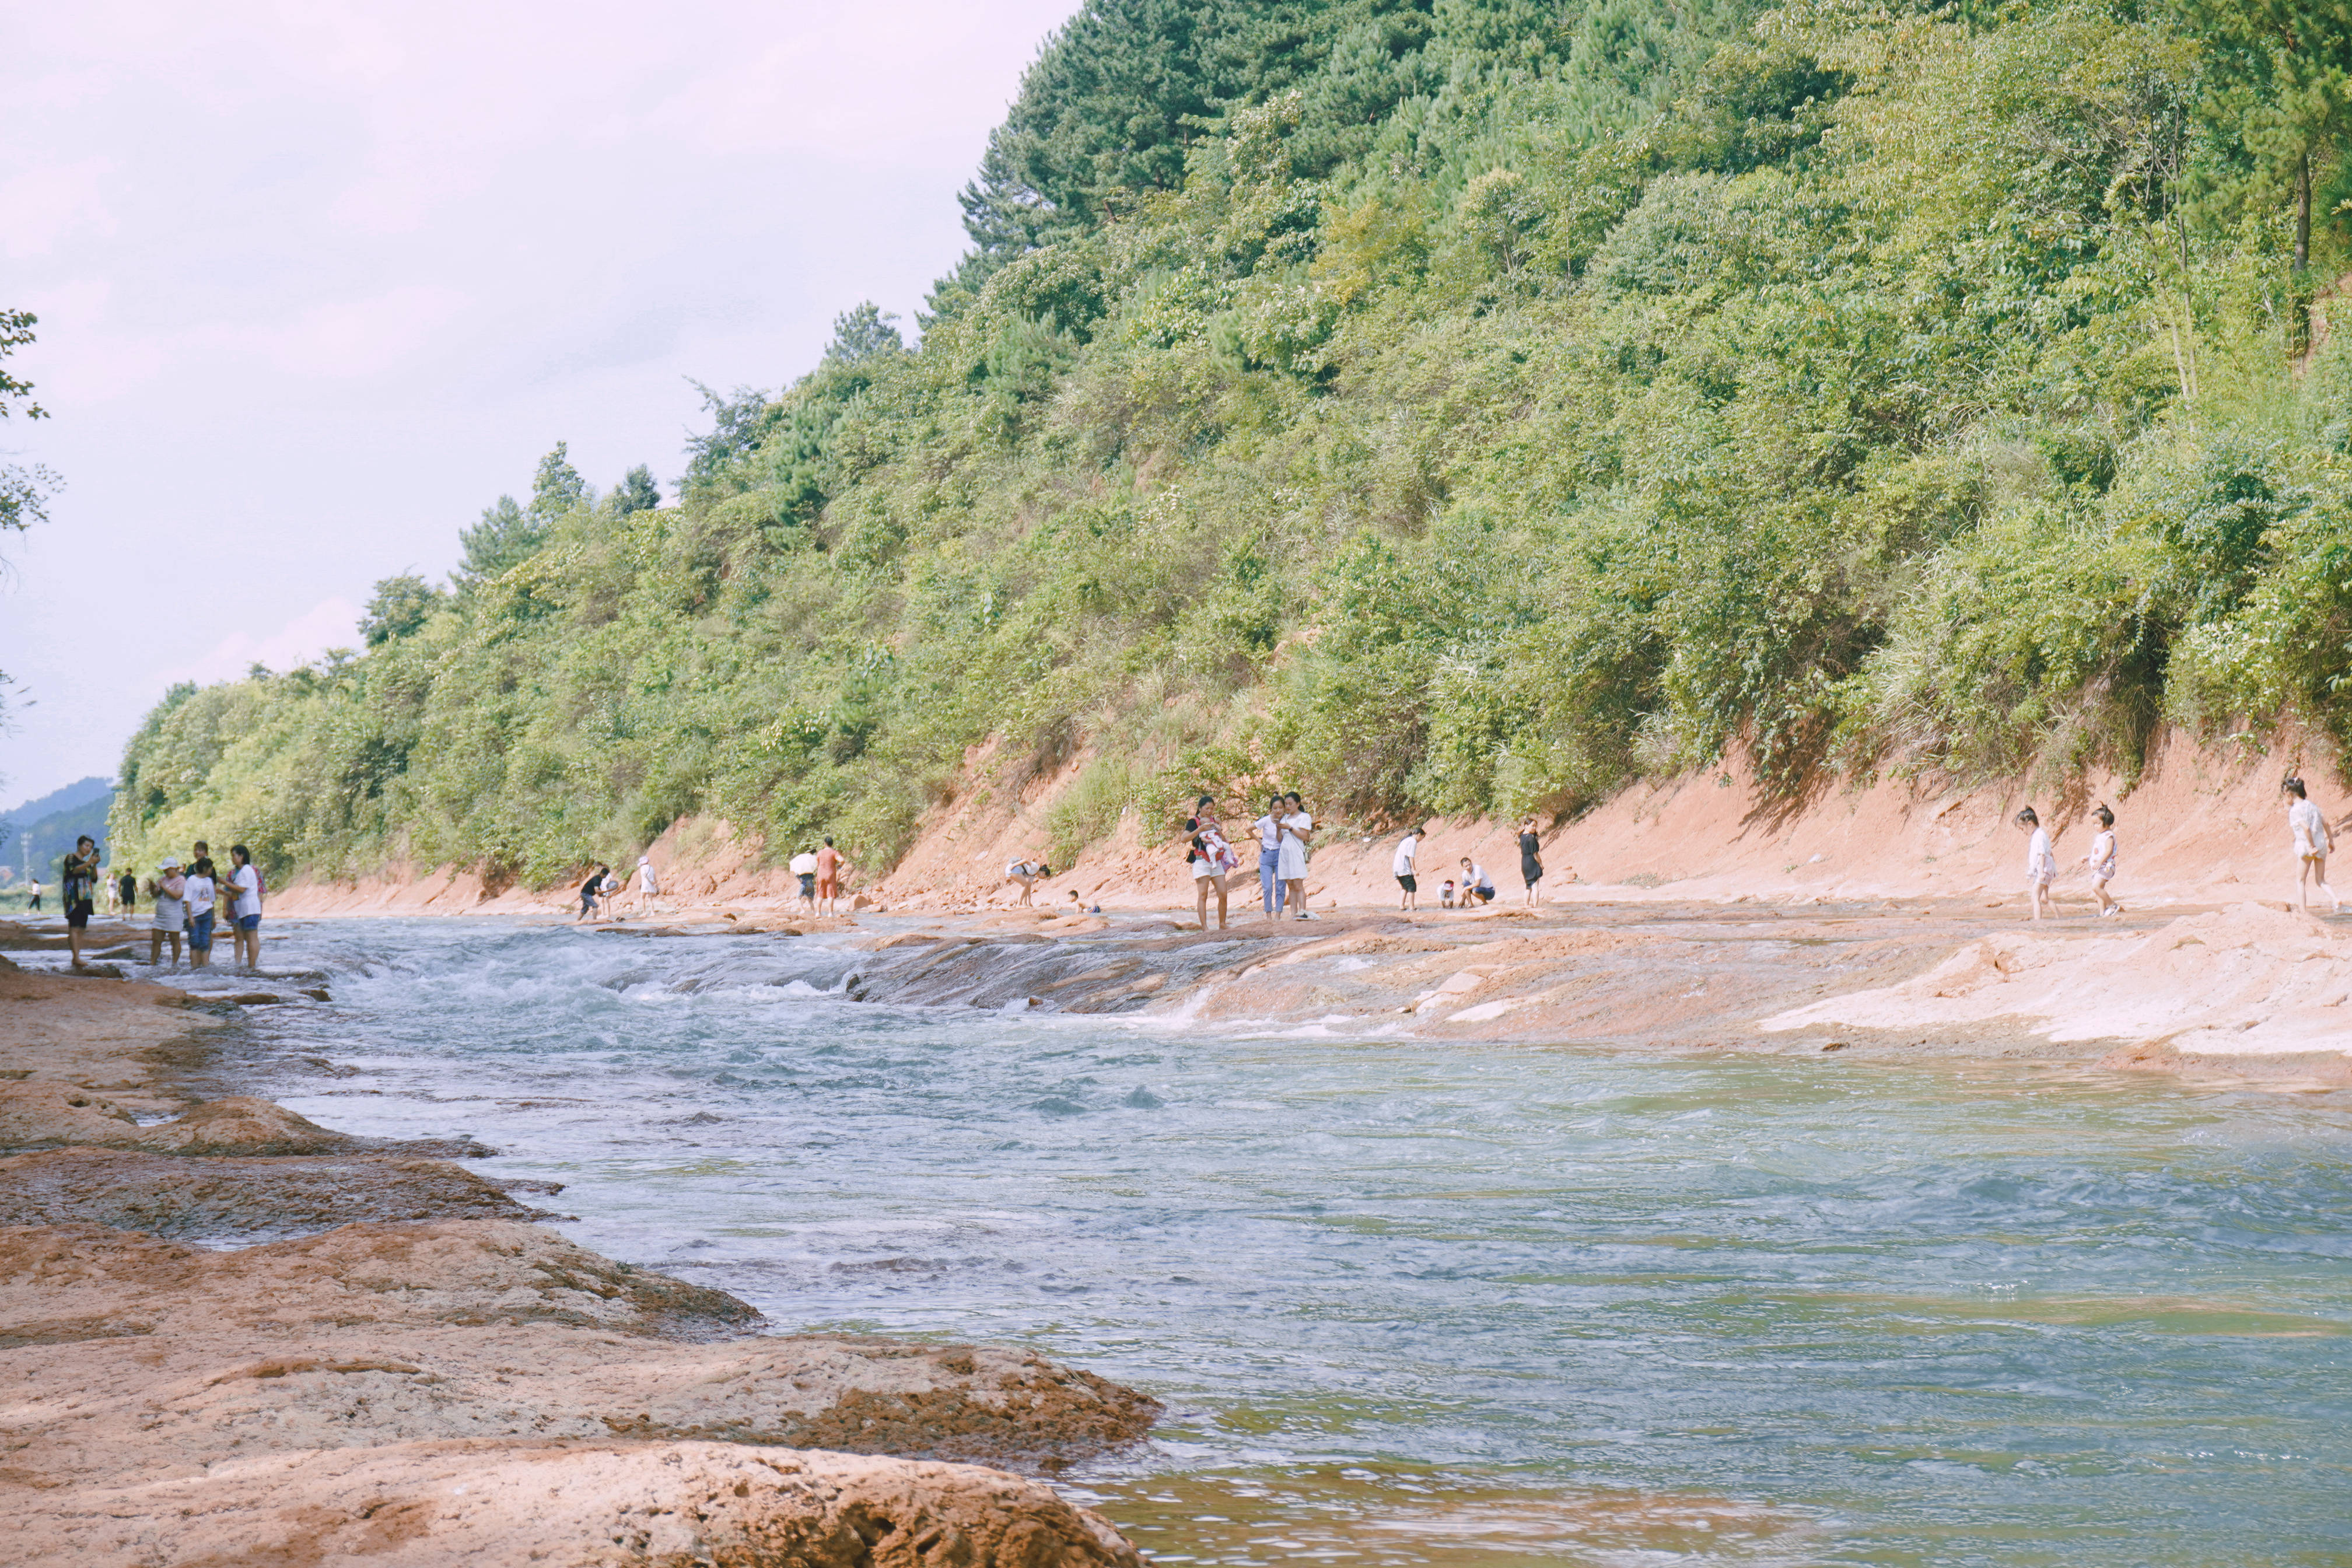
411 1374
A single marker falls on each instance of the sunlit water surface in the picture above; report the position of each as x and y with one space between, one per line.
1459 1305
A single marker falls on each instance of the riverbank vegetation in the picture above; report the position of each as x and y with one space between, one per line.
1441 405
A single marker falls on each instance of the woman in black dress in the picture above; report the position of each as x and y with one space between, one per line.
1530 858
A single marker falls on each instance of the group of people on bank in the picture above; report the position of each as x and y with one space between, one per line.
601 894
193 899
2308 834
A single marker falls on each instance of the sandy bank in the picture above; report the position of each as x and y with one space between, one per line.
311 1399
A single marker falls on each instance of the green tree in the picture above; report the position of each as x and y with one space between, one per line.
505 538
636 492
557 487
398 608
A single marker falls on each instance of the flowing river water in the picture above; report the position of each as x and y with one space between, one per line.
1456 1305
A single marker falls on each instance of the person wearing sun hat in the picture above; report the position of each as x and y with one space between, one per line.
168 888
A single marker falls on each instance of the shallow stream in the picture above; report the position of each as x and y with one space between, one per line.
1458 1305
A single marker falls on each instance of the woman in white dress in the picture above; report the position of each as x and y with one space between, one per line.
1291 866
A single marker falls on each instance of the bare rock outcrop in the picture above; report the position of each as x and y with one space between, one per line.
673 1504
139 1358
40 1114
229 1198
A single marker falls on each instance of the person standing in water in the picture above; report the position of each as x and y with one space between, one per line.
2102 860
1530 858
247 910
129 888
80 889
202 890
2311 845
170 892
1409 898
2040 864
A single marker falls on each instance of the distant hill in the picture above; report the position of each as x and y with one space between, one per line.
80 793
54 821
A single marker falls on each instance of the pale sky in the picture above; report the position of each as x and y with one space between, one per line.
319 282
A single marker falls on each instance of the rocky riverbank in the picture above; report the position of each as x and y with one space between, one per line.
402 1368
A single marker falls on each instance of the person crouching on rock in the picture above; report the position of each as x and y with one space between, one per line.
1027 874
169 890
2040 864
2311 845
589 890
1477 888
2102 860
80 889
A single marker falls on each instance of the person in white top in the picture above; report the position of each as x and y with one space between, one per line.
1268 829
1027 874
2102 860
804 866
2040 864
1477 888
1402 865
247 880
1297 830
647 884
168 888
2311 845
201 891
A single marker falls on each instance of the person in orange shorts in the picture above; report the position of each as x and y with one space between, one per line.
829 864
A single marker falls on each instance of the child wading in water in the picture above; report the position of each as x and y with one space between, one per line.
2040 864
2102 860
2311 845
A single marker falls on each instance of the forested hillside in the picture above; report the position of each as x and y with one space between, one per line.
1453 405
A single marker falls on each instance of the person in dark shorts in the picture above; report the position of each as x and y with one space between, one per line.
589 890
1530 856
36 897
80 889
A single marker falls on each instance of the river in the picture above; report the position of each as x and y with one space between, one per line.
1440 1305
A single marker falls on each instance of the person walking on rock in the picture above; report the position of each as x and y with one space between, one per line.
1268 829
829 862
1530 858
2040 864
1409 886
2101 862
648 885
169 890
802 866
2311 845
81 891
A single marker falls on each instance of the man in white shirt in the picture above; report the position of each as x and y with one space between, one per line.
804 866
1477 888
2305 821
1402 867
1268 829
247 907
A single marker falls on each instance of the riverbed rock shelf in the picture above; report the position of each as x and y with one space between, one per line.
391 1365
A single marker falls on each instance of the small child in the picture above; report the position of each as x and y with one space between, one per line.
2040 864
2101 862
1446 895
